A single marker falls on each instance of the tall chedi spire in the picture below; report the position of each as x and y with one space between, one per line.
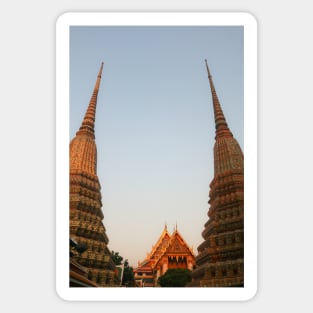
220 259
88 124
86 227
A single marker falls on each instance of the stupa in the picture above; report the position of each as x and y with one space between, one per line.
86 227
220 259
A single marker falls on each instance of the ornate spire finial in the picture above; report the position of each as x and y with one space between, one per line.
207 67
88 123
221 127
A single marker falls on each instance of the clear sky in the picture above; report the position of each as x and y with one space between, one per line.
154 123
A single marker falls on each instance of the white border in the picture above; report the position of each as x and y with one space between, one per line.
62 157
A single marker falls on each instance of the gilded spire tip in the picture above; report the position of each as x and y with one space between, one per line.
101 68
207 67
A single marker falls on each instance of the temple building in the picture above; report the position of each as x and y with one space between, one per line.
170 251
220 259
93 258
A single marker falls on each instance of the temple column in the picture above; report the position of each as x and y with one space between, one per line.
190 266
164 267
158 273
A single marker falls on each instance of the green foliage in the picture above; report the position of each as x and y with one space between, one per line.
177 277
117 259
128 275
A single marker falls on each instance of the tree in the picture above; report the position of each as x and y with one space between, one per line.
176 277
117 259
128 275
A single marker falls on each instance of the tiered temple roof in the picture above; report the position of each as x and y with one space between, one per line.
86 227
220 259
170 251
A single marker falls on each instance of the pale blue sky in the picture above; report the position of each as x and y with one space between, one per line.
154 123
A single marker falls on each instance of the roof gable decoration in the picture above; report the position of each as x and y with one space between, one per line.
161 244
177 242
175 245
